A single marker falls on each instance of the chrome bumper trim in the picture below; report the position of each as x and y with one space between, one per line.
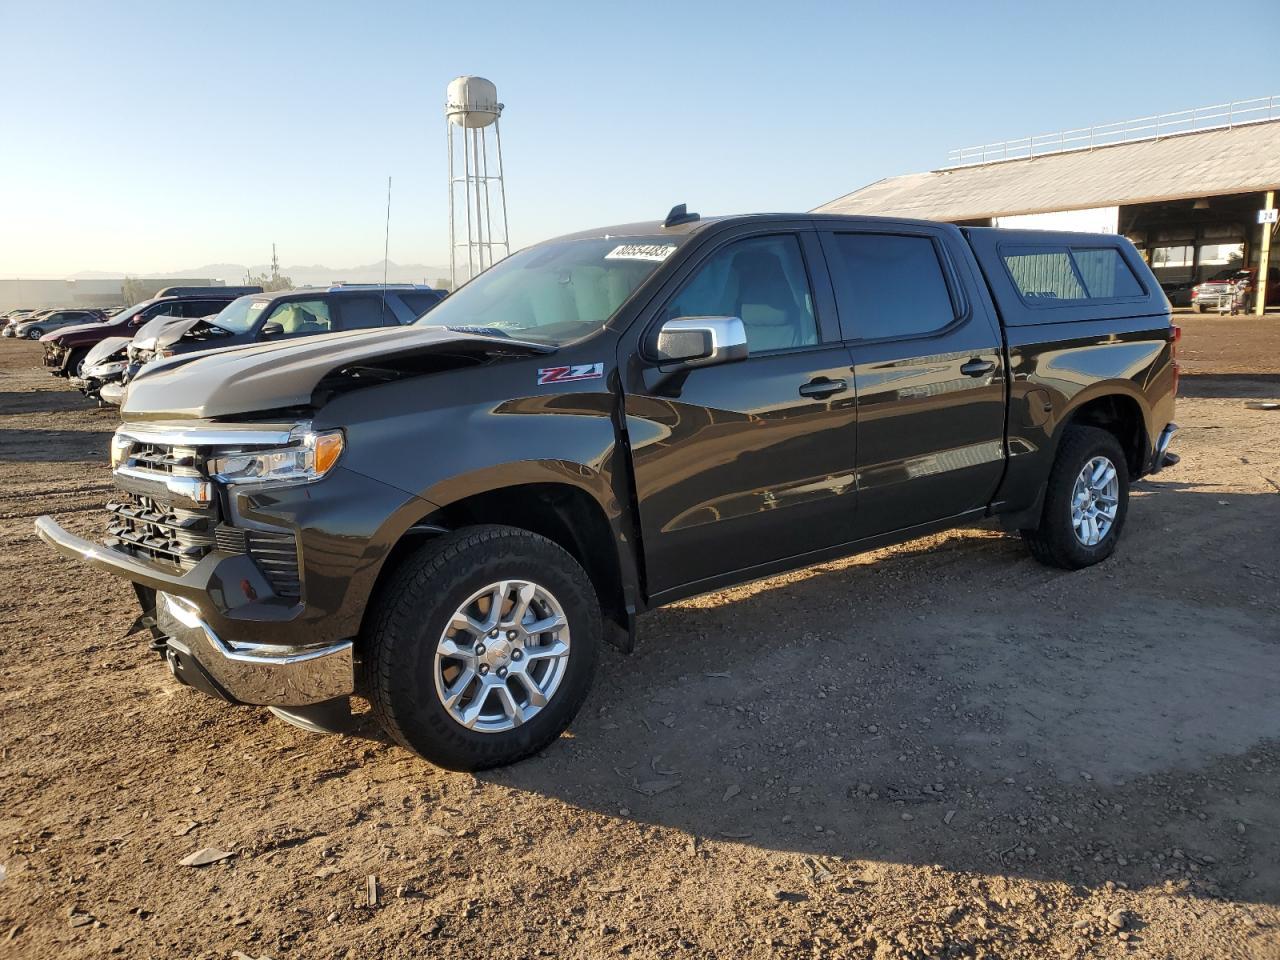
1158 461
259 673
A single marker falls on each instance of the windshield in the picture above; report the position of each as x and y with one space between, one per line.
239 316
554 292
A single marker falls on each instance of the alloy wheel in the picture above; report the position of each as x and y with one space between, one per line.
502 656
1095 501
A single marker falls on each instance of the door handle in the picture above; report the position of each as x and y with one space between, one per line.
976 367
820 388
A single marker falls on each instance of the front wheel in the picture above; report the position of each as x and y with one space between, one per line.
35 333
482 648
1085 503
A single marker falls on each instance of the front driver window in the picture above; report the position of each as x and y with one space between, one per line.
301 317
761 280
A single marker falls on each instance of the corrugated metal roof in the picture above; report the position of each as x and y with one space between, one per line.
1215 162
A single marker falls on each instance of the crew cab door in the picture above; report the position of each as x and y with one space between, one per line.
748 462
929 370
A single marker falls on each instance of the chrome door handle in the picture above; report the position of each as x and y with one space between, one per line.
977 368
820 388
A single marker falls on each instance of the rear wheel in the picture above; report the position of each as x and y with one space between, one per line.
1086 502
482 647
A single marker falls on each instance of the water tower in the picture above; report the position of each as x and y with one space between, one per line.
471 110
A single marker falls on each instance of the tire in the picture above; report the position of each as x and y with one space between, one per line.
1199 308
1055 542
75 363
405 681
35 333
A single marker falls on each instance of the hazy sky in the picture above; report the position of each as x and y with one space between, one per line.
145 137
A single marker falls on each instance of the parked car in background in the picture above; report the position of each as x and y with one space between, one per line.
37 327
1178 292
22 316
66 349
1216 292
281 315
450 518
14 316
103 365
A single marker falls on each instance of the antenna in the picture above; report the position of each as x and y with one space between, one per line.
386 250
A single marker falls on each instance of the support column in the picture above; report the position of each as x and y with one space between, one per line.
1264 259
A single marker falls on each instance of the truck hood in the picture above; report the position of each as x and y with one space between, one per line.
273 376
161 332
104 349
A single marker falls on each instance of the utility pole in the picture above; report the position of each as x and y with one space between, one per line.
275 264
1264 259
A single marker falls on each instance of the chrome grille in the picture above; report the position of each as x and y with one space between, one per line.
158 515
147 520
154 530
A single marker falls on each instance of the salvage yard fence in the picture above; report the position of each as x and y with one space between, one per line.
1219 116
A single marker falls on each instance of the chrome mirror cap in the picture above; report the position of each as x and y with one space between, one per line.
701 341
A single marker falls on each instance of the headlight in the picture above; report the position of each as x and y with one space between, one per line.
309 458
119 449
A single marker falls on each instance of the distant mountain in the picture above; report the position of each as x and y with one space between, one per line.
302 275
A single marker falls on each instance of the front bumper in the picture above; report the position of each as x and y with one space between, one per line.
268 674
112 393
262 674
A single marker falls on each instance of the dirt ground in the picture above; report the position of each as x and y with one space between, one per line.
937 750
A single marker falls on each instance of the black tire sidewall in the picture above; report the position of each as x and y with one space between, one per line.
408 702
1079 446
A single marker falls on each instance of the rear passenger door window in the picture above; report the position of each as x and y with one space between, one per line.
364 312
890 285
420 303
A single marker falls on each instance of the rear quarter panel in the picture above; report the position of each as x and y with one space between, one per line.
1055 369
1063 355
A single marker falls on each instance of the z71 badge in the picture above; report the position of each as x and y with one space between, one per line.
579 371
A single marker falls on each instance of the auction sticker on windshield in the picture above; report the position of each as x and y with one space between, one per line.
641 251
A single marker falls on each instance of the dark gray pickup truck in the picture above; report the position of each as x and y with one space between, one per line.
449 518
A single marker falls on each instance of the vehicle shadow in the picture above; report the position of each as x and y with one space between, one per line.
1218 385
952 702
44 401
55 446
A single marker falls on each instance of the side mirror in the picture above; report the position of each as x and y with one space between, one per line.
271 329
701 341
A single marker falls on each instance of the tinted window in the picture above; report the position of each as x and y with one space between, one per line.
420 303
202 308
1046 275
1105 273
358 313
302 317
890 286
761 280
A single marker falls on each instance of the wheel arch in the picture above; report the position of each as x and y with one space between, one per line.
573 515
1117 408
